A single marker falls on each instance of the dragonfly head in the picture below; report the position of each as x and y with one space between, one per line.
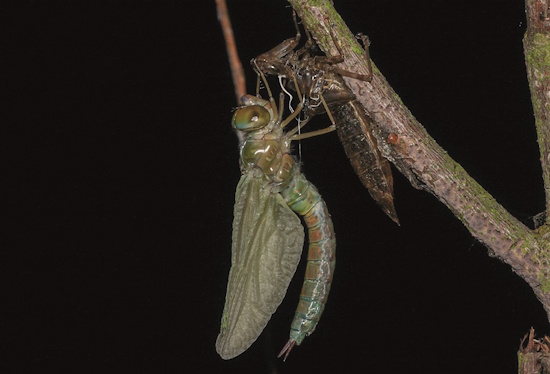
255 114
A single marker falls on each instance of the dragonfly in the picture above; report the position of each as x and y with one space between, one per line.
320 79
268 236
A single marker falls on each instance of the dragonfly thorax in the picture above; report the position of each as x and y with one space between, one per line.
271 156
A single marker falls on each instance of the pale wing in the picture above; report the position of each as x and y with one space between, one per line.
267 244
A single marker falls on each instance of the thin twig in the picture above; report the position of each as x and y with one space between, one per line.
234 61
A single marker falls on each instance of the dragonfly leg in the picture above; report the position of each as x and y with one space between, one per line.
307 46
274 61
281 106
310 134
363 77
336 59
264 79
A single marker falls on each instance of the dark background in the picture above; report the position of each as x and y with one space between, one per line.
121 167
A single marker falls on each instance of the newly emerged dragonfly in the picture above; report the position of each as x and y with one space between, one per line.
267 234
321 82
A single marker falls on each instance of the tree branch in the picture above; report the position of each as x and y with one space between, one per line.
425 163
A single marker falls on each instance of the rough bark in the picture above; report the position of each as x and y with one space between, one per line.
429 167
536 45
534 358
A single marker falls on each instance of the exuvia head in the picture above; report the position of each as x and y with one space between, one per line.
267 66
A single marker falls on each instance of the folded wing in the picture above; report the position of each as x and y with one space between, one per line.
267 245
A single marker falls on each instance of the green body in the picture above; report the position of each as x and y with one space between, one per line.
268 237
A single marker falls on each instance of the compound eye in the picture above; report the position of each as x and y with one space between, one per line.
250 118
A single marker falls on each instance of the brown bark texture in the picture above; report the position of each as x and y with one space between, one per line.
428 167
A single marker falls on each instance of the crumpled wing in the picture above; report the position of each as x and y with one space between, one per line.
268 238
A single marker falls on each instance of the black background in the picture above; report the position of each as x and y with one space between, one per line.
121 167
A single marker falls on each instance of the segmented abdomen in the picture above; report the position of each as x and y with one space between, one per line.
303 198
354 128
